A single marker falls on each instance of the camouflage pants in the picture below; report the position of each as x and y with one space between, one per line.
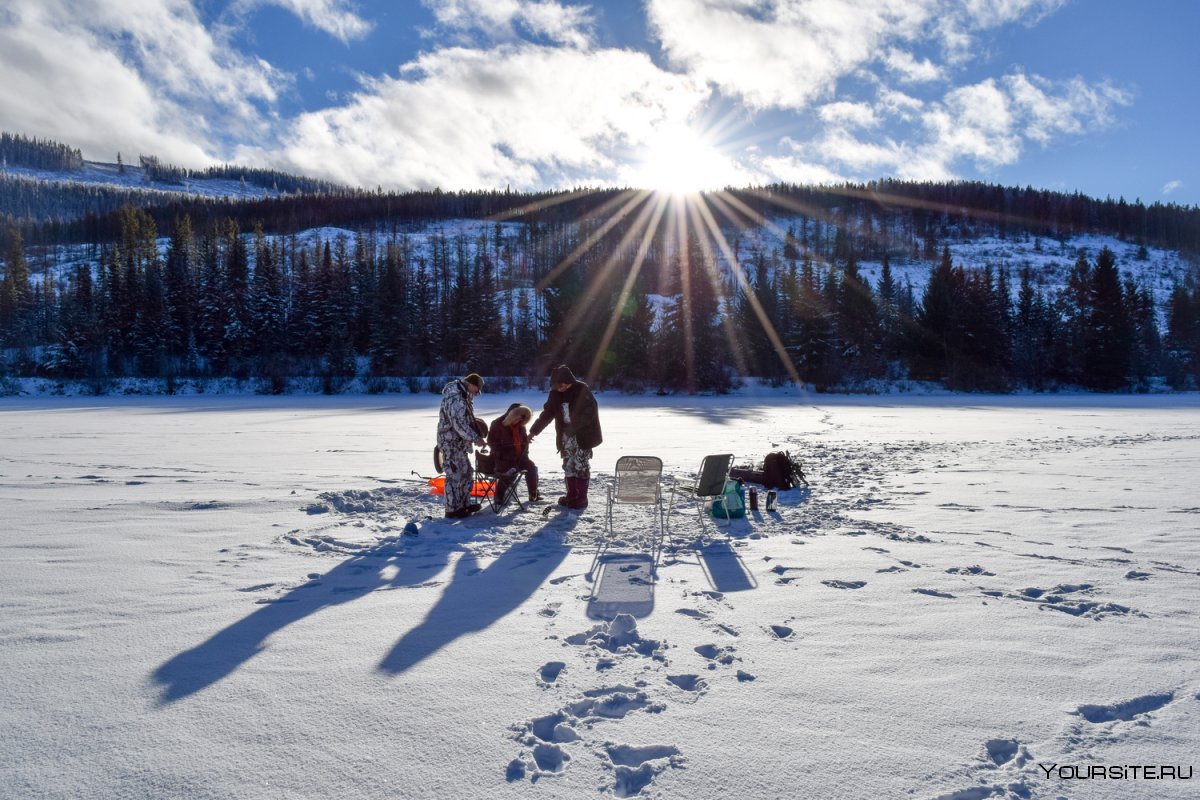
577 461
456 463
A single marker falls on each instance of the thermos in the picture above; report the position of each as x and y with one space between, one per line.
753 499
771 499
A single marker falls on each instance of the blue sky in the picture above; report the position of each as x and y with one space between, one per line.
1098 96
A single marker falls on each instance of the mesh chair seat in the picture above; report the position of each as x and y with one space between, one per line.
637 481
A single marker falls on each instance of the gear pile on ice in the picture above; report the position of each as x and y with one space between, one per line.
779 470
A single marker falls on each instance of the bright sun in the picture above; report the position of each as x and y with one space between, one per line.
680 160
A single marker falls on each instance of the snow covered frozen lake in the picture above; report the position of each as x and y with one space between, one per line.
211 597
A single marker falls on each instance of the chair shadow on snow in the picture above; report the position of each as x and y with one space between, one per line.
724 568
471 601
624 584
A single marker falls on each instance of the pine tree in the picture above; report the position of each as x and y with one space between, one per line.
937 336
16 294
180 297
1182 340
1108 335
1146 349
390 323
268 321
1073 306
858 325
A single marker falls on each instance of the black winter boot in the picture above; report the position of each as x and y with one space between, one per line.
580 500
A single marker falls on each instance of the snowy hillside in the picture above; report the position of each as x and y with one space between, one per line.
1160 270
96 173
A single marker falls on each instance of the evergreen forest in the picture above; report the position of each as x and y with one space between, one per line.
635 291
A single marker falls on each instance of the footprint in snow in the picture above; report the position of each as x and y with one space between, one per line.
780 631
934 593
689 683
717 655
1134 575
693 613
1002 751
635 767
845 584
971 570
549 672
1124 711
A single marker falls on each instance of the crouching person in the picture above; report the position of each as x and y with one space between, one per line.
509 442
456 433
576 429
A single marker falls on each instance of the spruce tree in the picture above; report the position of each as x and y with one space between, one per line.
16 294
1108 334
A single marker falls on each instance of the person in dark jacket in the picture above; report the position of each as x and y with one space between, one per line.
576 417
509 443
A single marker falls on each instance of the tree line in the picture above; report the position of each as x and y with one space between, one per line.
629 311
22 151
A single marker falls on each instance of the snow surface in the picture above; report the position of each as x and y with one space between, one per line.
211 597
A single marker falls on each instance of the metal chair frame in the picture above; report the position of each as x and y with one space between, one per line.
637 480
708 486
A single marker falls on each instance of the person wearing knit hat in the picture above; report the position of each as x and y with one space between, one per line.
457 430
508 440
576 416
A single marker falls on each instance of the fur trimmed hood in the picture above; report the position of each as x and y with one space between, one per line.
518 414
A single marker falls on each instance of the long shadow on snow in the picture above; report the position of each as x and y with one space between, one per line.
476 598
216 658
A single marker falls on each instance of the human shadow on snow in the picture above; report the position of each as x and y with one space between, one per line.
475 598
357 576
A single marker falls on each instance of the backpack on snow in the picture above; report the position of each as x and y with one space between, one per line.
781 471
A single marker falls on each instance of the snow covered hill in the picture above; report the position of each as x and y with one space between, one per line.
97 173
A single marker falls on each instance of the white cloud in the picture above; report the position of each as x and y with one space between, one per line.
1077 107
987 125
518 114
979 14
847 114
501 19
127 75
909 69
786 54
1172 186
335 17
792 53
796 166
974 122
958 21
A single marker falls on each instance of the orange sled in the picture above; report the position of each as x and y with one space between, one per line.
479 489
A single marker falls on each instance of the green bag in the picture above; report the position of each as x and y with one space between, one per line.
731 504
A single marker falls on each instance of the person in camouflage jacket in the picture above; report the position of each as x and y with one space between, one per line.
456 432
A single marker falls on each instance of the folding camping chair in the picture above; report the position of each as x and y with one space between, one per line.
637 481
708 486
485 472
485 482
